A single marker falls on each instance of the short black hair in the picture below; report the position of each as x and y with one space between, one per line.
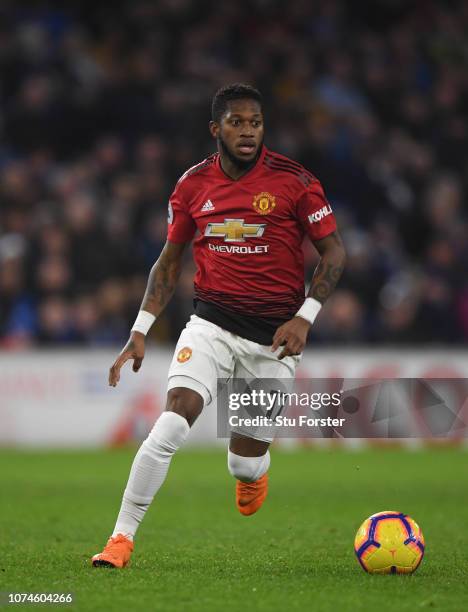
236 91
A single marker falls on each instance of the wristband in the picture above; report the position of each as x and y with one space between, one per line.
143 322
309 309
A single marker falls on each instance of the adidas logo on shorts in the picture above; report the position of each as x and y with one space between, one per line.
208 205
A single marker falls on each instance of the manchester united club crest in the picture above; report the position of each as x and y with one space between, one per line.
264 203
184 354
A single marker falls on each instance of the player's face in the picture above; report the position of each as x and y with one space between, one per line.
240 132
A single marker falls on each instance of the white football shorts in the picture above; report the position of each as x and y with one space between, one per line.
206 352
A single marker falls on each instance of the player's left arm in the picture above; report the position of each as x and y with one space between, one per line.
292 335
330 267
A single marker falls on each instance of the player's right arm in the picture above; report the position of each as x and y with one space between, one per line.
162 279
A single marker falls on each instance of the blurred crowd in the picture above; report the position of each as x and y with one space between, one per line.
104 106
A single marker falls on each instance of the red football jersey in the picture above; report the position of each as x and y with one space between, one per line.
248 249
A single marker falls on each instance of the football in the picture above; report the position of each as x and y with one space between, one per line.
389 543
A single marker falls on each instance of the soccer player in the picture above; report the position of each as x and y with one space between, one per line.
252 208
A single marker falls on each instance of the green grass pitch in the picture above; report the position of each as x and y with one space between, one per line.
194 552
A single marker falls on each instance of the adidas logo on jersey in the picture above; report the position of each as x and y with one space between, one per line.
320 214
208 205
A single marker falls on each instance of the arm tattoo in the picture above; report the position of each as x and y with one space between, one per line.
330 267
325 278
162 281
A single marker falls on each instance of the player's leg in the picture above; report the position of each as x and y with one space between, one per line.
149 470
248 454
152 460
248 462
200 357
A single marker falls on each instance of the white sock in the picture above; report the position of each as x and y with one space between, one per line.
149 470
248 469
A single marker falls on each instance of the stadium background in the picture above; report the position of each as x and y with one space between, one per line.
102 107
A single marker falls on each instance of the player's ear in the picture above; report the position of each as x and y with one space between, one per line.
214 129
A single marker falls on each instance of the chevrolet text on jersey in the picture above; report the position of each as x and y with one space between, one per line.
228 248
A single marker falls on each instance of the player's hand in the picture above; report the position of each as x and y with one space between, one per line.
134 349
292 336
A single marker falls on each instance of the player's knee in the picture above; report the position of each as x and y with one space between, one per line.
248 469
168 434
185 402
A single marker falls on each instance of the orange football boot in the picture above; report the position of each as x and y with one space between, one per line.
116 553
251 495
